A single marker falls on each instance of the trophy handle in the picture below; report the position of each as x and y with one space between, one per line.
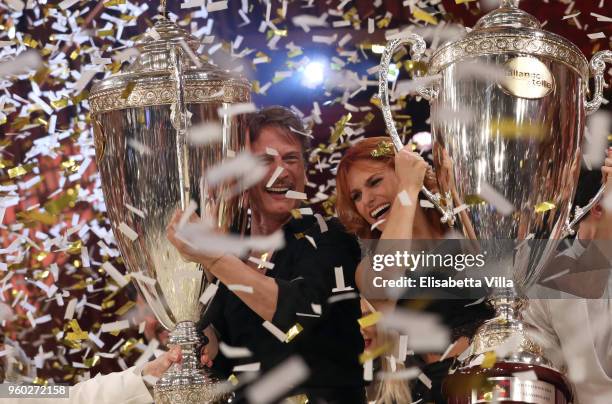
417 49
580 213
598 66
180 123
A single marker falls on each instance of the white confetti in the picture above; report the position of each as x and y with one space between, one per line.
341 297
424 331
272 152
193 3
128 231
425 380
114 274
234 352
496 199
460 208
236 109
279 170
404 198
249 367
84 80
244 166
85 257
23 63
209 293
66 4
139 147
368 370
295 195
200 237
596 139
378 223
139 276
115 326
340 286
134 210
597 35
278 381
240 288
403 374
274 330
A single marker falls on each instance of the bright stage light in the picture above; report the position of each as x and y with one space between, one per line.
313 74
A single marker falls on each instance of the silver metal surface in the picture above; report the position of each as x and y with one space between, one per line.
416 49
522 142
145 161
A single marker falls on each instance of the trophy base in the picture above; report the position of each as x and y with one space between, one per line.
190 394
499 384
505 382
185 382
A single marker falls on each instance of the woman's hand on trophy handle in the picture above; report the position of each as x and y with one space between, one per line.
211 349
410 169
158 366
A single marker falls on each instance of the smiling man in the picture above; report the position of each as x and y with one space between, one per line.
295 288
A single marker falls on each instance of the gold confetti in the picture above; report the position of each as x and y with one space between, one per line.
128 345
296 213
128 90
368 355
293 332
339 128
59 104
489 360
509 128
383 148
67 199
40 381
36 216
544 207
91 362
125 308
105 32
370 319
77 333
112 3
423 16
17 171
233 380
472 199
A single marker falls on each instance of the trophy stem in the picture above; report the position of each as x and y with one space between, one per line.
509 3
185 382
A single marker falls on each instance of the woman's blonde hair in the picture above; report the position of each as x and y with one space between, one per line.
391 391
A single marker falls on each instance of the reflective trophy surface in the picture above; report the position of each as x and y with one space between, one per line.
523 140
140 118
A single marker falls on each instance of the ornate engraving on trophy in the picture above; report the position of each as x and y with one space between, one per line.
515 390
527 77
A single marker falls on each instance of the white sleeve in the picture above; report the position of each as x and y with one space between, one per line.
126 387
537 317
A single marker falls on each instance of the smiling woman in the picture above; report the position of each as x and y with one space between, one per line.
367 186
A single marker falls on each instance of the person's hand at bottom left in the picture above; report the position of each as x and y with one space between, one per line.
158 366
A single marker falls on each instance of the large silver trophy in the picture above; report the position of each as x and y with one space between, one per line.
522 140
140 118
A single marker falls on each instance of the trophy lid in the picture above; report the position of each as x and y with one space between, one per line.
148 80
510 30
